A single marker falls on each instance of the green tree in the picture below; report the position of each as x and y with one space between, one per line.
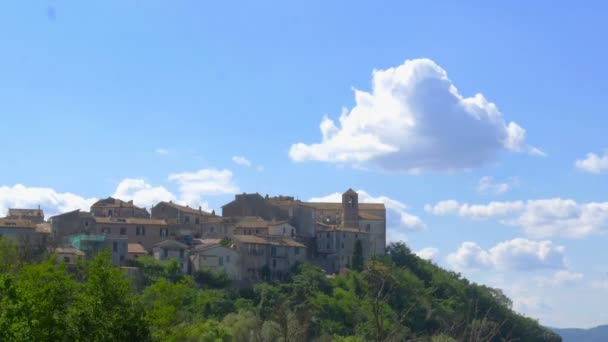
9 258
358 256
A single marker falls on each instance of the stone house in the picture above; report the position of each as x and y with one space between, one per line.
69 255
216 257
172 249
71 223
92 244
282 229
251 225
145 231
135 250
34 215
274 256
335 246
113 207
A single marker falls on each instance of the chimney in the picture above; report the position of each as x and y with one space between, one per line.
200 208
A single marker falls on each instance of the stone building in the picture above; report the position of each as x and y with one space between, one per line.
253 205
92 244
267 257
113 207
335 246
145 231
171 249
217 257
70 223
34 215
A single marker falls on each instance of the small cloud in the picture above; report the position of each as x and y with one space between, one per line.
162 151
593 163
429 253
259 168
240 160
488 186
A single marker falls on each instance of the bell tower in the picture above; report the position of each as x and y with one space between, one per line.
350 208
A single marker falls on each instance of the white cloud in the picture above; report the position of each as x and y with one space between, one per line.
239 160
50 200
204 182
539 218
415 119
593 163
398 219
428 253
161 151
565 276
142 193
516 254
475 211
488 186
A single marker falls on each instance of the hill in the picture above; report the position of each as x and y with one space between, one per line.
397 297
596 334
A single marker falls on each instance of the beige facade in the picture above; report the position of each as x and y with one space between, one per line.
145 231
172 250
217 258
69 255
273 255
336 245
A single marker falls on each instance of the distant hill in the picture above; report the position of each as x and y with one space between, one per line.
597 334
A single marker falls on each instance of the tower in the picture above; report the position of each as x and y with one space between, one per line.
350 208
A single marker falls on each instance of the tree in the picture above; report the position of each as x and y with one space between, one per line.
358 256
9 258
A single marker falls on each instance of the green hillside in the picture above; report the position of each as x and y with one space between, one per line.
399 297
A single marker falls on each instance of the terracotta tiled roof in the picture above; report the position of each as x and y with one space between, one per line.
136 248
130 220
112 202
171 244
322 227
185 208
25 212
260 240
338 206
11 223
367 216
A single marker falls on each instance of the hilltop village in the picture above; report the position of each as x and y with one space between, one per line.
256 236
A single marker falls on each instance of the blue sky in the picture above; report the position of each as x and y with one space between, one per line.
152 100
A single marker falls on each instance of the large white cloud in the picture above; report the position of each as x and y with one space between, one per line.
205 182
516 254
539 218
415 119
51 201
593 163
398 219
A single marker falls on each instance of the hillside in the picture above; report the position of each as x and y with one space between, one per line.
596 334
398 297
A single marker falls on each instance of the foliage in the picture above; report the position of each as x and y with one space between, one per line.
396 297
358 256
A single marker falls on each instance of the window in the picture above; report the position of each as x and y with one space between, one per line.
283 230
273 251
122 258
187 220
110 212
123 231
164 232
368 227
296 251
86 223
140 230
166 253
66 259
197 220
328 245
181 254
115 246
328 235
221 261
274 263
356 236
227 258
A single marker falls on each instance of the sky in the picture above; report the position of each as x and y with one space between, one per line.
480 125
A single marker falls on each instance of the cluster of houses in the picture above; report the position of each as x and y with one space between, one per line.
255 236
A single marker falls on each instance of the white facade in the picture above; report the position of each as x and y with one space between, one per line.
217 258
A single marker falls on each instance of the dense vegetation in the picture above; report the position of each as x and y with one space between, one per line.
398 297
